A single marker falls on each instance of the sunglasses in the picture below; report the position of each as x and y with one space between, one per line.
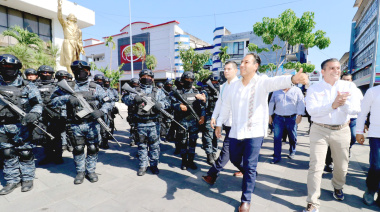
8 60
82 63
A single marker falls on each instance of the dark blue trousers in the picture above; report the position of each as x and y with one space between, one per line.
280 123
373 177
223 158
248 151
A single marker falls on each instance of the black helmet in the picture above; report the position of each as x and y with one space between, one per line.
168 82
79 64
160 85
99 77
187 75
70 77
9 67
107 82
177 82
134 82
146 72
79 67
45 68
30 71
8 59
215 76
61 74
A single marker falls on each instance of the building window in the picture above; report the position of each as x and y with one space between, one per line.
364 56
235 48
36 24
370 13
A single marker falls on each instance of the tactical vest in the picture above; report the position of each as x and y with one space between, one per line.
89 96
151 113
211 101
190 98
14 95
46 90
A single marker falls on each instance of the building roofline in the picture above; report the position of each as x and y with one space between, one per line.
91 39
174 21
116 35
136 22
361 7
93 45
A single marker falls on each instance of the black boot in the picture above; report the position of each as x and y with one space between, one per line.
210 159
26 185
79 178
154 170
104 144
9 188
177 151
142 171
92 177
190 162
48 159
184 162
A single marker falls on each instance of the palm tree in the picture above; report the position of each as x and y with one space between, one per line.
223 56
140 48
151 62
23 36
109 41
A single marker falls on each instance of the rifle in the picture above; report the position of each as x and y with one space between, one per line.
209 83
23 114
87 109
150 104
192 111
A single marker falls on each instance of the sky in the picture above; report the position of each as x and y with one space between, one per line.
201 17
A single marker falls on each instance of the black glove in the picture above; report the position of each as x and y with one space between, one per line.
97 114
157 106
138 99
30 118
74 101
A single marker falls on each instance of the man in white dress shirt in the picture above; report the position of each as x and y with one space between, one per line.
329 103
230 71
248 101
371 104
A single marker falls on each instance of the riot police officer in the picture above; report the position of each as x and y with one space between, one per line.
115 98
147 121
85 130
210 144
197 101
134 83
15 141
50 119
99 79
31 74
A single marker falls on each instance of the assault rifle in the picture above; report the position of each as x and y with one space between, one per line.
87 109
209 83
23 114
150 104
189 107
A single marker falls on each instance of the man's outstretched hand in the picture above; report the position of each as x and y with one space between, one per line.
300 78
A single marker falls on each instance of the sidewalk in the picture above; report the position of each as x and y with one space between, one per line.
279 187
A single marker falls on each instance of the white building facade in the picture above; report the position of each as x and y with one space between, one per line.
40 17
162 41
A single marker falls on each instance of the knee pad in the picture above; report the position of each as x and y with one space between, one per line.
26 155
8 153
78 150
142 138
92 149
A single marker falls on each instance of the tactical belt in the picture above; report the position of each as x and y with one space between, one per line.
138 120
332 127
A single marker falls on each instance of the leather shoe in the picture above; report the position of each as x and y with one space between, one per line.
9 188
244 207
142 171
79 178
192 165
209 179
274 161
238 174
92 177
26 185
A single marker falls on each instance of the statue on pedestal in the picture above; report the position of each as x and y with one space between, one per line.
72 45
